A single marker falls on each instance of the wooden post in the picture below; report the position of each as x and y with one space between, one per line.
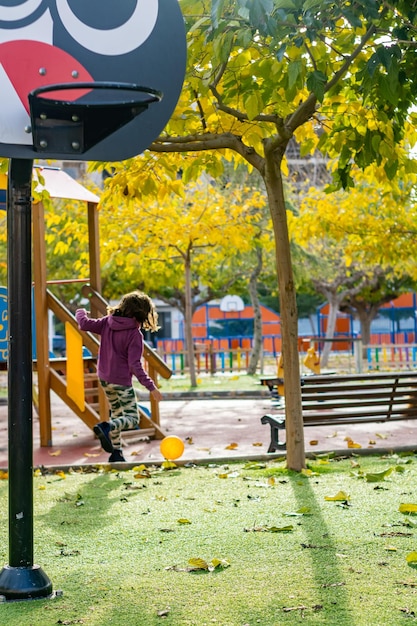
41 319
95 282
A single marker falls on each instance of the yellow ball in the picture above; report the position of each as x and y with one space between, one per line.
171 447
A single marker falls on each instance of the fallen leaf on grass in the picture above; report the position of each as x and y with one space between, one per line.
411 557
396 534
183 520
308 472
287 609
341 496
141 471
228 475
407 583
407 507
163 612
201 565
4 475
373 477
168 465
304 510
269 529
254 465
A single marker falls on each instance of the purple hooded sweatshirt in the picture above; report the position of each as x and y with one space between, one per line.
121 348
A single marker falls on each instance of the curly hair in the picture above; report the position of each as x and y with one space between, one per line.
138 305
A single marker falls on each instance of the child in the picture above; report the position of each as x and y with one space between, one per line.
120 356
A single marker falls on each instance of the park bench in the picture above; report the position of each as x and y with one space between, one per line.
349 399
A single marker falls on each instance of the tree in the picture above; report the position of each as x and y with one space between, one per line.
334 75
365 257
185 249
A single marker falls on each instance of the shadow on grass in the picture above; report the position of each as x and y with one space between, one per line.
327 571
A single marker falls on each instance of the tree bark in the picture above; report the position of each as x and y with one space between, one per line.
257 315
288 311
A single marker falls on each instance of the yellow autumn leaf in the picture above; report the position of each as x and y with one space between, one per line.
56 453
258 444
341 496
411 557
232 446
183 520
220 563
353 444
197 563
41 487
167 465
61 474
308 472
407 508
314 442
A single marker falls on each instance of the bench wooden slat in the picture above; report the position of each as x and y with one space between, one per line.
350 399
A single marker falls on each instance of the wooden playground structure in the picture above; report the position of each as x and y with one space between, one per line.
74 378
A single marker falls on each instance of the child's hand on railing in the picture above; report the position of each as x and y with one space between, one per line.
156 395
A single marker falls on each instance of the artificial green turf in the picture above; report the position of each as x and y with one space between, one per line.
118 545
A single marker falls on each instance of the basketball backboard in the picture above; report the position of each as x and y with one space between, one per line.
50 42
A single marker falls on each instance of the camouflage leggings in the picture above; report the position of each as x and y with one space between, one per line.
123 410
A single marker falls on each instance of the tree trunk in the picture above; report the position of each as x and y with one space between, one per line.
257 315
188 323
334 303
288 311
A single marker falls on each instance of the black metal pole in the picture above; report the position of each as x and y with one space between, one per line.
20 579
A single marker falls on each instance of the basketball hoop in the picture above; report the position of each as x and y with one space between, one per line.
72 126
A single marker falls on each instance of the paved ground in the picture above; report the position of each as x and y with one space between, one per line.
208 427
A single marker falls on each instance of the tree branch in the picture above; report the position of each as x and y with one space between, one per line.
208 141
239 115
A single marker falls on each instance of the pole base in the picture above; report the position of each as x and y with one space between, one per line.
24 583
